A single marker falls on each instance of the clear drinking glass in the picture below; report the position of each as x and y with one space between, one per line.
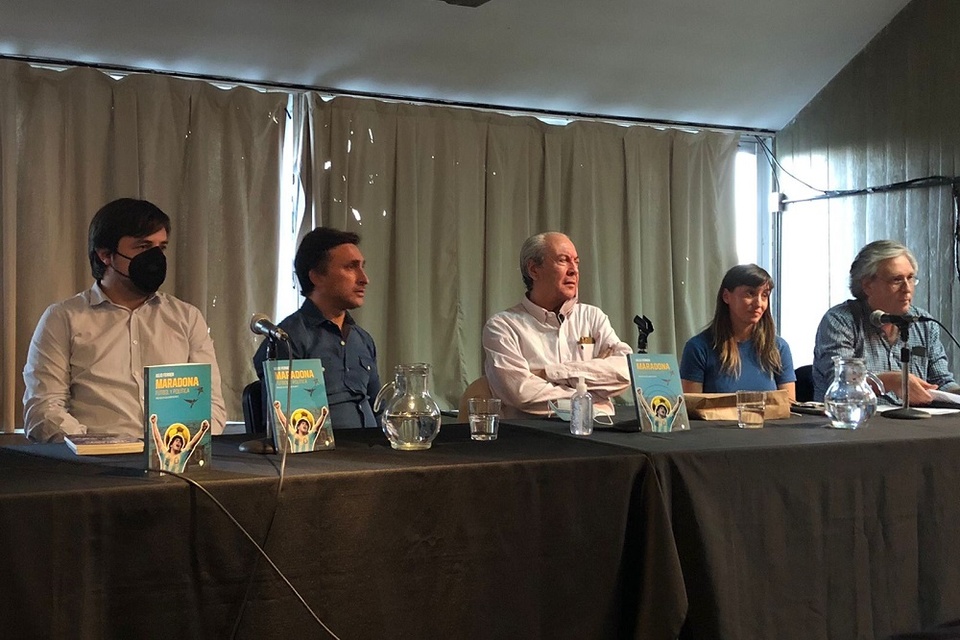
750 408
484 418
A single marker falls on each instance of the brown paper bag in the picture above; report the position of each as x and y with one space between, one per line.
723 406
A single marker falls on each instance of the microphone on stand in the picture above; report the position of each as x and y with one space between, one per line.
903 322
878 318
260 324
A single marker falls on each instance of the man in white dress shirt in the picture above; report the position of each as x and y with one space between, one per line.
537 349
84 371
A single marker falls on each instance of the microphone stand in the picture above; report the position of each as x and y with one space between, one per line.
264 445
905 412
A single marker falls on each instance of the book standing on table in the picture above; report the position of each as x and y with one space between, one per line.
177 410
305 423
655 380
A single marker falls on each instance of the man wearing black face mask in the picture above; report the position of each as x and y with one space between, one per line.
84 371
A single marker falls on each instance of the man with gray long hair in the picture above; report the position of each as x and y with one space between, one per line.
537 349
883 277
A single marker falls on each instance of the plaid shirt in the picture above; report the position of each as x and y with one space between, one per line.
845 331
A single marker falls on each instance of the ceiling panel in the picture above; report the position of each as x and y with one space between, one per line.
732 63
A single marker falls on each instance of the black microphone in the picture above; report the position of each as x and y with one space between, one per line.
260 324
878 318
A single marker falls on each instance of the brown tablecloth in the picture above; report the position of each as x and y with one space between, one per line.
801 531
532 536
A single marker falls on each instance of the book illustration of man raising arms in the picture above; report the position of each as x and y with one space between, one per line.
659 411
302 430
176 446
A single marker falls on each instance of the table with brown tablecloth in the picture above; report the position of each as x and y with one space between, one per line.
536 535
801 531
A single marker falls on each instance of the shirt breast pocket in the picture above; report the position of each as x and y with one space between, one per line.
359 376
585 351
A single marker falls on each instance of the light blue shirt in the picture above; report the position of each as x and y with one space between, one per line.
84 370
845 331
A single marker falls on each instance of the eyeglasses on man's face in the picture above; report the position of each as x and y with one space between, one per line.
900 282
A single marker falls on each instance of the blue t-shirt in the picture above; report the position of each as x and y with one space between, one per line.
700 363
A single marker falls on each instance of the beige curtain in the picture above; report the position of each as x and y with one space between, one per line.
443 198
72 140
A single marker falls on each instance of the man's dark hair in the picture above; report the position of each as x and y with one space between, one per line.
123 217
314 253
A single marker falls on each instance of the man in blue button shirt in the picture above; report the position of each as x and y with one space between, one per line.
883 277
330 269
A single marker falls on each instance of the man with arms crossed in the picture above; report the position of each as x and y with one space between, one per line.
84 371
883 277
330 269
537 349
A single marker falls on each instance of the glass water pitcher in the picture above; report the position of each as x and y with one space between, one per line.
849 401
411 417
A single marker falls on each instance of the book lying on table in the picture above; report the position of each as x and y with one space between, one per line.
176 411
84 444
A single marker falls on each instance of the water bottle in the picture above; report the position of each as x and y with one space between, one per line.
581 410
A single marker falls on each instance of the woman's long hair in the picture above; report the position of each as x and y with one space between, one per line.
720 330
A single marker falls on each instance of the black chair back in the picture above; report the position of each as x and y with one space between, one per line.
805 383
253 416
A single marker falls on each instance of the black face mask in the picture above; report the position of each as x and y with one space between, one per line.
147 270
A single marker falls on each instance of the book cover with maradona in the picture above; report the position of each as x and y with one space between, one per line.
176 411
305 421
655 380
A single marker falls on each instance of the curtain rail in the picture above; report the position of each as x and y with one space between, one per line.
509 110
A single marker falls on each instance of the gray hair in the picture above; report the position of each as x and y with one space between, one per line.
867 262
534 250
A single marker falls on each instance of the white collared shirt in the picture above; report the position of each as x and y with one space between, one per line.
565 345
84 370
